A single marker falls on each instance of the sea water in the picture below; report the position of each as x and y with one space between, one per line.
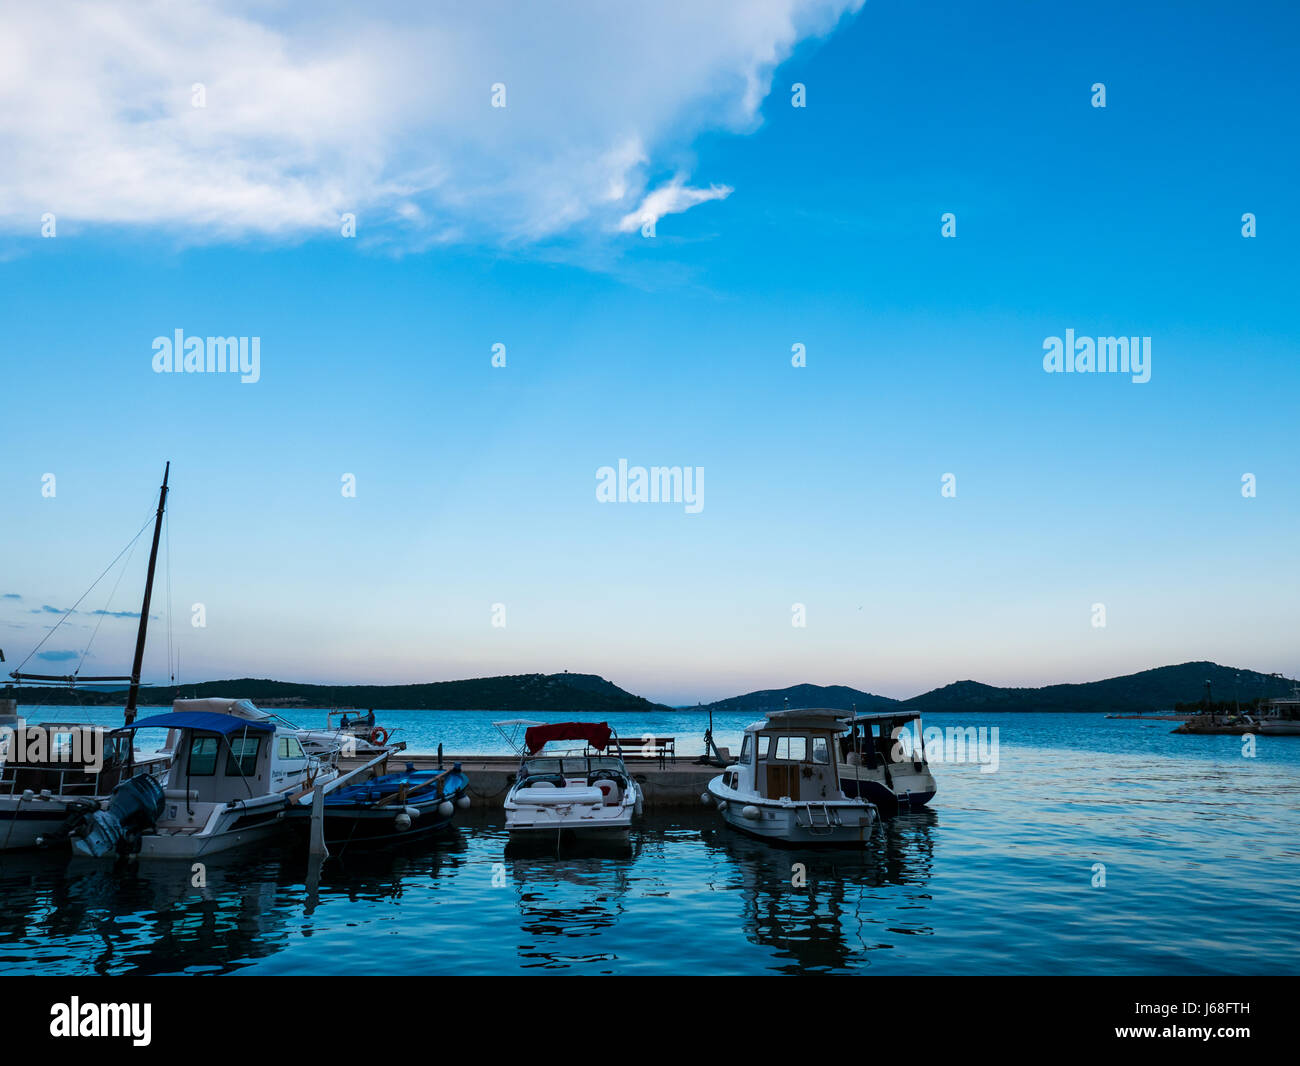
1097 846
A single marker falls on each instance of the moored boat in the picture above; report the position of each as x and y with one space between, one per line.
876 765
584 795
395 808
231 783
785 787
1279 717
41 787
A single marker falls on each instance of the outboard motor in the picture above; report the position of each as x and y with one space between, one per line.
136 805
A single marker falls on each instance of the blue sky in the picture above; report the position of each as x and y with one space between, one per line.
476 484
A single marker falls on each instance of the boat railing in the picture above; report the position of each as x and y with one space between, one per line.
15 780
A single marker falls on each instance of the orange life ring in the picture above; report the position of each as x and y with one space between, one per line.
379 735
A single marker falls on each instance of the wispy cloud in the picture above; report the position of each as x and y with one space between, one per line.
58 656
10 596
670 199
385 112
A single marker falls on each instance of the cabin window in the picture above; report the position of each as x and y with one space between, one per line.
243 756
746 750
791 749
203 756
821 752
290 748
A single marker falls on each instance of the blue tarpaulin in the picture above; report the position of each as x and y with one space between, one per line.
225 724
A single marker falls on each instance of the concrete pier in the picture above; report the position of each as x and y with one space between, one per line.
678 784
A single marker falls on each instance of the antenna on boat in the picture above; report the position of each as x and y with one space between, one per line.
138 662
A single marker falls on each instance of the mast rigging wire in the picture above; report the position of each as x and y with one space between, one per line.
88 591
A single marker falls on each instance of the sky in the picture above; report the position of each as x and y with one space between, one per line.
649 226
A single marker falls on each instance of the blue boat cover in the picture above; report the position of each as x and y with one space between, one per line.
377 788
225 724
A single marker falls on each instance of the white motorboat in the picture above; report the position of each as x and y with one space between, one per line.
785 788
876 765
584 794
327 744
1279 717
232 782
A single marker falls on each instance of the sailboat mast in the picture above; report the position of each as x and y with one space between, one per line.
138 663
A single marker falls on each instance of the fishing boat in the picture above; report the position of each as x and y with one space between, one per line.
876 765
395 808
232 782
785 787
51 772
584 794
56 771
364 734
1279 717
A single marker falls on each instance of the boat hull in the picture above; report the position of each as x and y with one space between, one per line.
612 834
881 794
379 828
591 823
24 823
183 846
902 786
795 824
370 813
252 822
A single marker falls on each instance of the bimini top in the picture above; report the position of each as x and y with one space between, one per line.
824 718
238 708
885 716
596 734
205 721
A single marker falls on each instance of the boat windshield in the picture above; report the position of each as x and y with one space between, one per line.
543 766
572 766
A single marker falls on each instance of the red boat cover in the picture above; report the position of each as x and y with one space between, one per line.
596 734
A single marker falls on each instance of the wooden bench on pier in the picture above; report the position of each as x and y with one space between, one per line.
649 747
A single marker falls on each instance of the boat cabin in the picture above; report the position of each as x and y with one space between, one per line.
221 758
872 740
790 756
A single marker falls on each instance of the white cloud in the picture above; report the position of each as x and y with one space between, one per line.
670 199
384 111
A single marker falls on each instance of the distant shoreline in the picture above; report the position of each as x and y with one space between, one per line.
1147 693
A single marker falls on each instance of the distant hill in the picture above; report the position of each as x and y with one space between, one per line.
773 699
581 693
1150 690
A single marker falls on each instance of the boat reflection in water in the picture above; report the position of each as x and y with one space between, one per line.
846 904
568 905
672 902
138 919
229 913
384 876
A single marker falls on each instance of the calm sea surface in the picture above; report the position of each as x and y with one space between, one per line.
1201 849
